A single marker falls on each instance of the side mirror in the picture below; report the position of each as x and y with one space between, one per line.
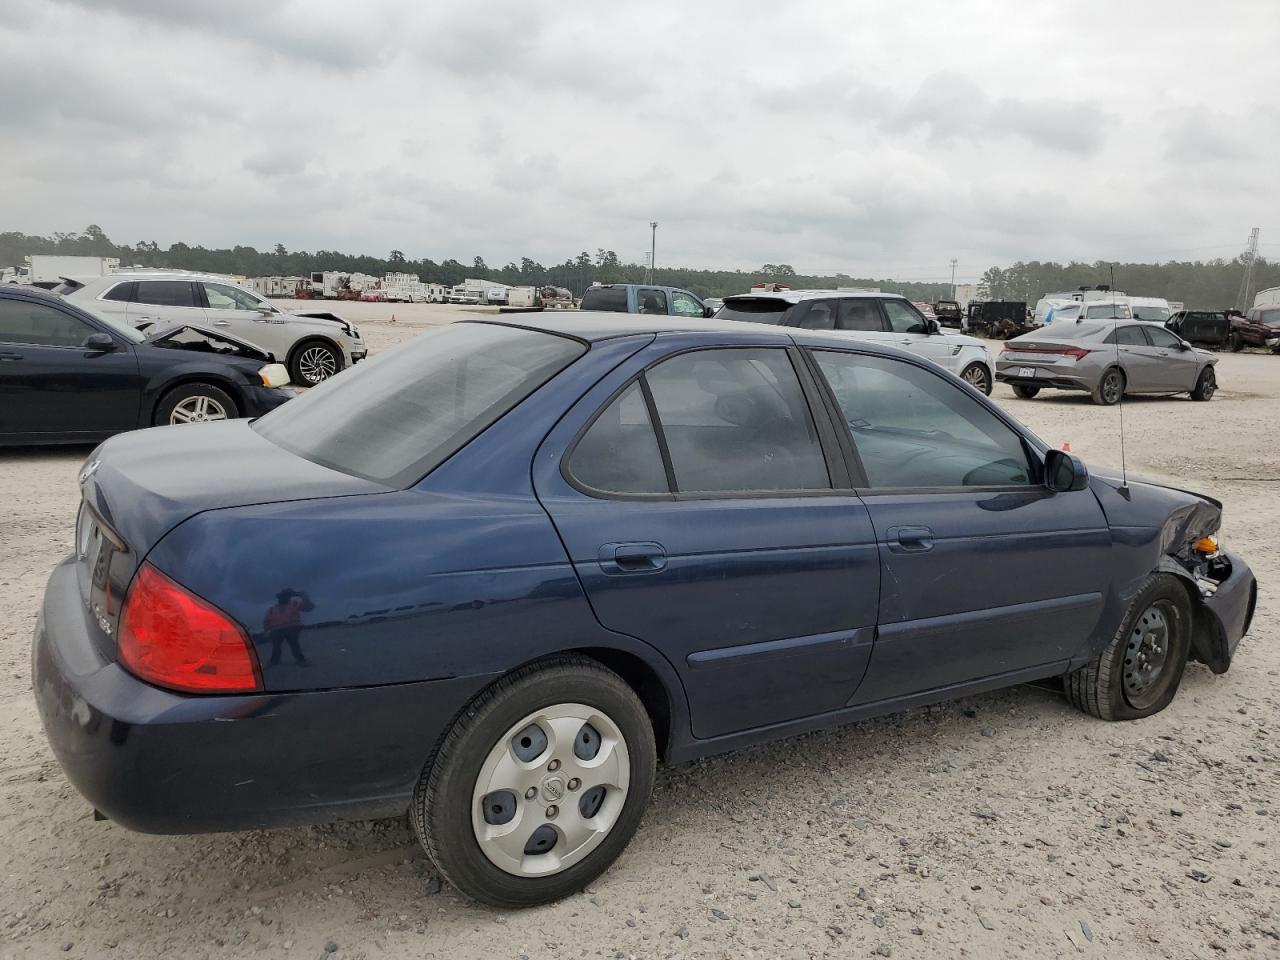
932 326
1064 472
265 309
99 343
1183 345
708 312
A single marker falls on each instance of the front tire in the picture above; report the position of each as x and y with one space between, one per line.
313 362
1138 672
1110 388
1025 392
1206 386
563 752
977 376
194 403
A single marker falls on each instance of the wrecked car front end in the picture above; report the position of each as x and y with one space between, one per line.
1173 531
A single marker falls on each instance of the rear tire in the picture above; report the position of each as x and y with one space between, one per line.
194 403
1110 388
1025 392
551 791
1206 386
1138 672
977 376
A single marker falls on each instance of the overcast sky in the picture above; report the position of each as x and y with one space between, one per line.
877 139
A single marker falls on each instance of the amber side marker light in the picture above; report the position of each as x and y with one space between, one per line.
174 639
1205 545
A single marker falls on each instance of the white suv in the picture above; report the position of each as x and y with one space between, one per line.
881 317
313 347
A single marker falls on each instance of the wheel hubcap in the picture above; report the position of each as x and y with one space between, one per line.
316 364
1210 384
197 410
977 377
1145 656
1111 388
550 790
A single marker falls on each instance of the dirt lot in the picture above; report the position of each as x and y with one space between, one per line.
1002 825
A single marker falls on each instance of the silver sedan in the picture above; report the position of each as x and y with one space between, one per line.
1106 360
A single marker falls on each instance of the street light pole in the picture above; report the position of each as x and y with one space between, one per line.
953 278
653 247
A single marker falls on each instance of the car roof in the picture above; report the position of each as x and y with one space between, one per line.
29 292
125 275
796 296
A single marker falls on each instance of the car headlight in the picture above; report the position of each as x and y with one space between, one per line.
274 375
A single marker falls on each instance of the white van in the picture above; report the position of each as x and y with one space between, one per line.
1049 309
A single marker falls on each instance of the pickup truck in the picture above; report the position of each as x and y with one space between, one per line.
643 298
1260 327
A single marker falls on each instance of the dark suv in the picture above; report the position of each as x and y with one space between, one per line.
1260 327
1206 328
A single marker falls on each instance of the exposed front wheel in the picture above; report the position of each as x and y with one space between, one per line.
1235 343
1110 388
1206 386
314 362
1024 391
539 785
1138 672
977 376
194 403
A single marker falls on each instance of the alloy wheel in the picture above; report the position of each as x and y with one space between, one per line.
197 409
1111 387
317 364
976 377
550 790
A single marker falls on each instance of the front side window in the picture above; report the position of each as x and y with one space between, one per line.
903 317
684 305
651 301
736 421
860 314
396 417
619 452
166 293
1127 337
224 296
1163 339
22 321
913 429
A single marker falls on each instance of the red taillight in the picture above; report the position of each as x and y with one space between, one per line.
172 638
1076 352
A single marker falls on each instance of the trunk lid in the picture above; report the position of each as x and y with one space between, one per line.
138 486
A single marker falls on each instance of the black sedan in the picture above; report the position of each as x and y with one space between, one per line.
70 376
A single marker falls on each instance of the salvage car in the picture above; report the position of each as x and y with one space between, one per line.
887 318
1107 360
949 312
71 376
1259 328
492 576
314 345
1205 328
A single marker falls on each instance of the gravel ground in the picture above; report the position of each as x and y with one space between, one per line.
1001 825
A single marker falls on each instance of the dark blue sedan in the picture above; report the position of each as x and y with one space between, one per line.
491 577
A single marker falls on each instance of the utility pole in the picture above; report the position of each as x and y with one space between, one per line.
1246 282
653 248
953 278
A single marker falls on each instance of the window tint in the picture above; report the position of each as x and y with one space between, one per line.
1127 337
860 315
684 305
613 299
224 296
22 321
755 310
1153 314
1113 311
619 452
821 315
737 421
1163 339
394 418
120 293
166 293
651 301
902 318
912 428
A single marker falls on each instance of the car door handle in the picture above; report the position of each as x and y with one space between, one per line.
620 558
222 323
910 539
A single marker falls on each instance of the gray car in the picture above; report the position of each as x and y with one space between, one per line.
1106 360
314 348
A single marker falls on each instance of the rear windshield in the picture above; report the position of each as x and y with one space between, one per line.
754 310
394 418
605 298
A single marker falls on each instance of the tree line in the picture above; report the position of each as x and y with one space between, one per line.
1204 284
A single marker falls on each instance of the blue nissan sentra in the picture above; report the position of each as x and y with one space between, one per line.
492 576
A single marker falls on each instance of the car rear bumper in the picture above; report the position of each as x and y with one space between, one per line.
1043 375
161 762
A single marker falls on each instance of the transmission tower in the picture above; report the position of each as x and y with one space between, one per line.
1246 282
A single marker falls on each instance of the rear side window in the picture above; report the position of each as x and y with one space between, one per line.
613 299
166 293
619 452
22 321
396 417
651 301
821 315
859 315
120 293
1127 337
754 310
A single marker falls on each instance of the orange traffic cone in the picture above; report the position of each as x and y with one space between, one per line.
393 318
1066 446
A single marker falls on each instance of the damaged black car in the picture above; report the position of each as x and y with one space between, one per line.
68 375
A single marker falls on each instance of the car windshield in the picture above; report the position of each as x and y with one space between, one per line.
1160 314
398 416
754 309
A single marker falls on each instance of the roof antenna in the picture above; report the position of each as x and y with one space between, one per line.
1115 326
